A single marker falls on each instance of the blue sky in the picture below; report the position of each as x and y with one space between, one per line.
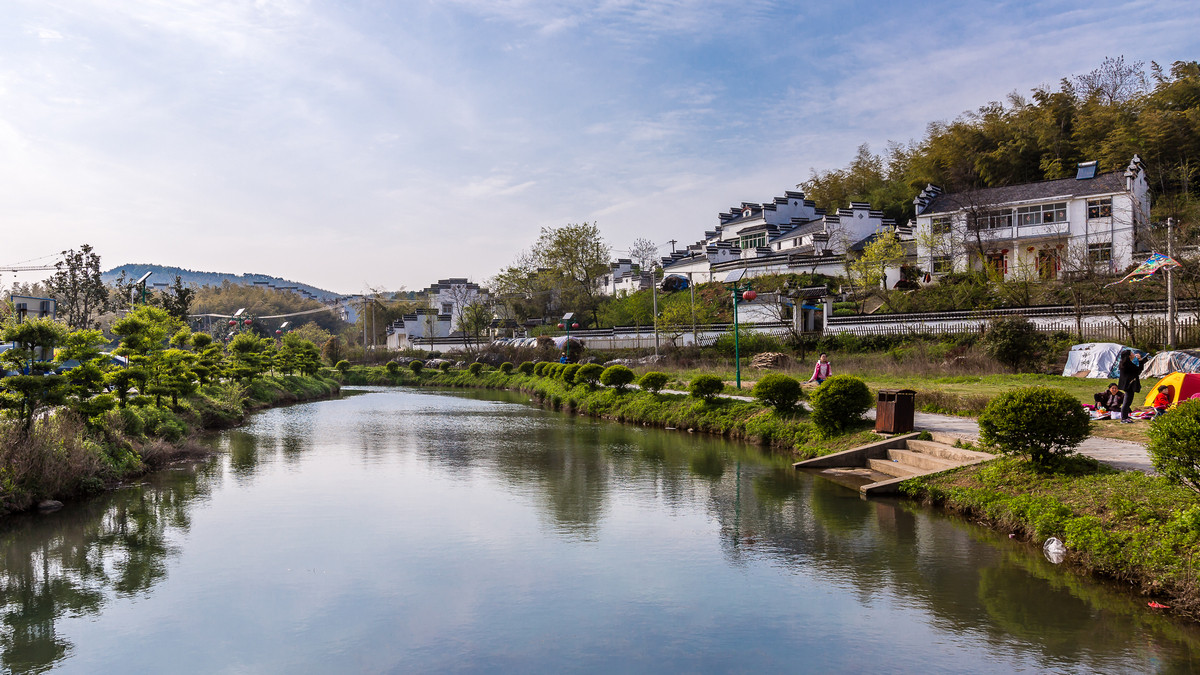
388 144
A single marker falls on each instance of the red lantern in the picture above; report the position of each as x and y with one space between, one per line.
574 325
247 322
561 326
278 332
232 322
749 296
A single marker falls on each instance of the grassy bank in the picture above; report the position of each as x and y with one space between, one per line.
65 456
1136 529
749 421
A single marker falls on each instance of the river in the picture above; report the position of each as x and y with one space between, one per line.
400 530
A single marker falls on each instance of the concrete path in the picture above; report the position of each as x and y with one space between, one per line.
1124 455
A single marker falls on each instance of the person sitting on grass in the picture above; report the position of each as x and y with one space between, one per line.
823 370
1110 399
1162 401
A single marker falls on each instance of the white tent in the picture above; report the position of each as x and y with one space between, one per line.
1165 363
1093 359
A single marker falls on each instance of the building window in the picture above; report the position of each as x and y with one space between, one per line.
1042 214
1100 208
754 240
943 264
1047 264
1100 253
447 307
940 225
998 263
998 219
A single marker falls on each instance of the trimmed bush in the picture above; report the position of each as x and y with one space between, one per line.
526 368
506 367
444 366
654 381
1175 444
706 387
778 391
1014 342
568 373
589 374
475 368
392 367
1041 422
342 366
618 377
839 403
539 368
416 366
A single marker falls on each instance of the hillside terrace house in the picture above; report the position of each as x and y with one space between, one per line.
423 324
446 300
786 235
1036 230
624 277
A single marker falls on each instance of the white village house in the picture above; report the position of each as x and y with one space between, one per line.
446 300
787 234
1036 230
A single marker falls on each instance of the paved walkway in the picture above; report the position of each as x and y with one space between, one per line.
1124 455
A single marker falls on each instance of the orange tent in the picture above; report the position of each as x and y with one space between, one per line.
1180 387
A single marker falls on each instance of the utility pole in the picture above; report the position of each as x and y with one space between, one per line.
692 290
672 243
654 295
1170 284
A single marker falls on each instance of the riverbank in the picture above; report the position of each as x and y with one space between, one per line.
748 421
1138 530
66 457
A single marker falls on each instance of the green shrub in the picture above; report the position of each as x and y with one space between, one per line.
654 381
539 368
1175 444
589 374
568 373
1014 342
506 367
1041 422
618 377
444 366
706 387
778 391
342 366
392 367
526 368
416 366
749 342
839 403
845 312
475 368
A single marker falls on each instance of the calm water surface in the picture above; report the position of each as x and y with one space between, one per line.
414 531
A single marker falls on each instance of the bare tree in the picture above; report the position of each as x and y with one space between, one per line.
1113 82
643 252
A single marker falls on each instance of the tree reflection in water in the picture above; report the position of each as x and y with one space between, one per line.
72 561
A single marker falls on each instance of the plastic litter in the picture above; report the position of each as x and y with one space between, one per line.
1054 550
1157 605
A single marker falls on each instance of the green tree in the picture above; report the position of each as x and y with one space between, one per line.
177 300
144 334
78 288
249 355
34 386
1041 422
87 376
577 257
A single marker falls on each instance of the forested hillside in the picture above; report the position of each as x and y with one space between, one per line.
1107 115
167 274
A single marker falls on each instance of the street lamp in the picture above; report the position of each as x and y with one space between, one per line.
142 282
568 322
734 280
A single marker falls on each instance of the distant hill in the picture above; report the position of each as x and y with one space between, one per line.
165 276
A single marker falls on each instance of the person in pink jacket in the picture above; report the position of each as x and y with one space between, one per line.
823 370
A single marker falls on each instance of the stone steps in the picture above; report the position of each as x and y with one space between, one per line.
880 467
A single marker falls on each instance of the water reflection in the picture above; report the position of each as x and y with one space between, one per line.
581 478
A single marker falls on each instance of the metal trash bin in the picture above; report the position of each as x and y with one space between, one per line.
894 411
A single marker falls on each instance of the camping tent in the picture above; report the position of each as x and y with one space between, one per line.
1181 387
1095 359
1164 363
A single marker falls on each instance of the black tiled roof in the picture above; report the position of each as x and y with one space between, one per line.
1105 183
